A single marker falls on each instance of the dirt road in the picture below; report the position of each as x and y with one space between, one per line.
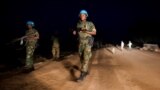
123 70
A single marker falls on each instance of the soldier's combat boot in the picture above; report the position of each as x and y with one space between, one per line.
32 68
28 70
87 73
82 76
53 58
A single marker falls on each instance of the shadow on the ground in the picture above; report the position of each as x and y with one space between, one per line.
72 69
19 81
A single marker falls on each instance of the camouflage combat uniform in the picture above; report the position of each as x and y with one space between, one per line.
85 43
30 46
55 48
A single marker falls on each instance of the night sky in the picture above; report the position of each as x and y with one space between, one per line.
115 20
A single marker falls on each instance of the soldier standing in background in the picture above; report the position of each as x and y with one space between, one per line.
55 46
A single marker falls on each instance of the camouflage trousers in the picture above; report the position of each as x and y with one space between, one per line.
85 56
29 55
55 52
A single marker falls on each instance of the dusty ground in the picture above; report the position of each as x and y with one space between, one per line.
123 70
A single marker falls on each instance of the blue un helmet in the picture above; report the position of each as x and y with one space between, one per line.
84 12
30 23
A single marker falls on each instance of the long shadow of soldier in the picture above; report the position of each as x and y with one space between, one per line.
72 69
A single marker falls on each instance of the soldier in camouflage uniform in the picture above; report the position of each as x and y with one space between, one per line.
31 38
85 31
55 47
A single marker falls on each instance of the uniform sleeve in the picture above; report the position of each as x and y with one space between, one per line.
26 33
92 26
78 25
36 33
